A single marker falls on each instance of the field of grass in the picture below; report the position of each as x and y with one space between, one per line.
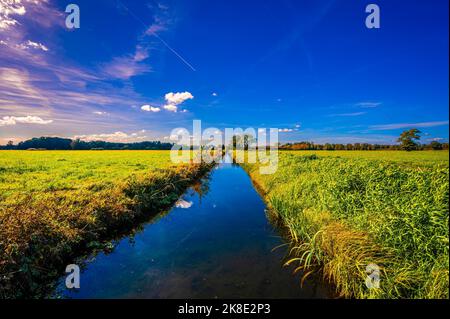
345 210
56 204
420 158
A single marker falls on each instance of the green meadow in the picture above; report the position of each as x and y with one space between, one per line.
56 204
344 210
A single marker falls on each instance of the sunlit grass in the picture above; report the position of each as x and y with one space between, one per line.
55 204
347 209
417 157
31 171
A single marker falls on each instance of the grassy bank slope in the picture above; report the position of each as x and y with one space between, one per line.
346 210
56 204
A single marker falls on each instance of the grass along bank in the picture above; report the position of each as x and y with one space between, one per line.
55 205
345 210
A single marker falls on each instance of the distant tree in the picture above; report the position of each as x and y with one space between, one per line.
77 144
407 139
435 145
56 143
49 143
9 145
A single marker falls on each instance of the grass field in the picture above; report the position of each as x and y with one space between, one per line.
420 158
343 209
347 209
55 204
41 171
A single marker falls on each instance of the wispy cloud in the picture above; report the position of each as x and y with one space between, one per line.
118 136
134 64
396 126
13 120
99 113
348 114
14 15
368 104
159 24
9 10
37 81
33 45
125 67
149 108
19 95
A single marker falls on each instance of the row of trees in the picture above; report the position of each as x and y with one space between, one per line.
57 143
361 146
408 141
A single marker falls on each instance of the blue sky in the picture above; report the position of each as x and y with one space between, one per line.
137 69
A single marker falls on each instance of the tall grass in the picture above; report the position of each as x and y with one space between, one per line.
59 204
344 213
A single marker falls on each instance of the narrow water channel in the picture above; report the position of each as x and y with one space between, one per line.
216 243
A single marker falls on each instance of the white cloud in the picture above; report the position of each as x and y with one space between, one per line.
178 98
175 99
33 45
285 130
99 113
13 120
149 108
214 94
118 136
171 107
181 203
9 8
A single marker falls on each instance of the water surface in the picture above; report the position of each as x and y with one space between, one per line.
217 243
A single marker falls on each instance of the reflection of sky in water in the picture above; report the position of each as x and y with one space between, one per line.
216 242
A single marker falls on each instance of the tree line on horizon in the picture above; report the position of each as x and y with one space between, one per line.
408 141
434 145
57 143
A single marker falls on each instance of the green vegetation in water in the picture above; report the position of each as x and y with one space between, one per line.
345 210
56 204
